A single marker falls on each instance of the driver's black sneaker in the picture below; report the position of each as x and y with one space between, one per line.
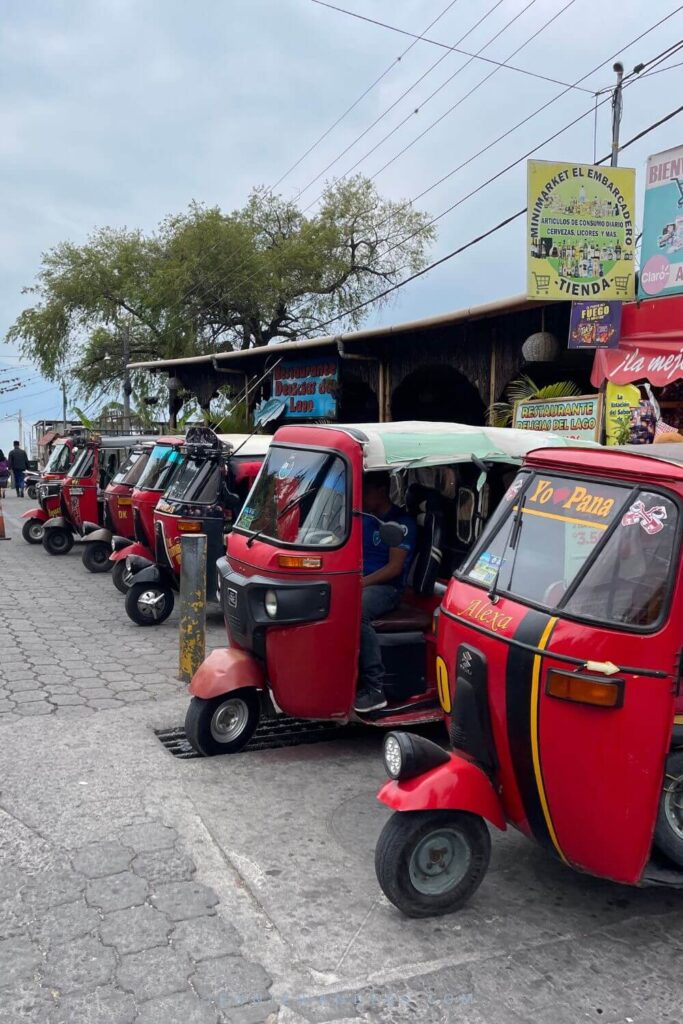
369 699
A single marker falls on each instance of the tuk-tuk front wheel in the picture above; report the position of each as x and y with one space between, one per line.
149 604
96 556
431 862
32 531
120 576
222 725
669 828
32 492
58 541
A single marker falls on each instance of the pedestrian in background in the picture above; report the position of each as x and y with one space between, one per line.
4 474
18 463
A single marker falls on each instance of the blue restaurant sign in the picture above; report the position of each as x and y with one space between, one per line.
307 387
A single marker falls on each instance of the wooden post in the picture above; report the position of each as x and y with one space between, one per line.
492 373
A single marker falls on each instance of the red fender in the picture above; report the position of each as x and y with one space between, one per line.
458 785
134 548
225 670
36 513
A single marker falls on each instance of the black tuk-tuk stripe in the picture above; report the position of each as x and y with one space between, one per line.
522 723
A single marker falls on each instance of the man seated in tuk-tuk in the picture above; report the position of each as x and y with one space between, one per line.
385 571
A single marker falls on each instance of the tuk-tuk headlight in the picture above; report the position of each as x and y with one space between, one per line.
407 755
270 602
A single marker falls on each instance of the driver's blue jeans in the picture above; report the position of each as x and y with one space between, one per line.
377 601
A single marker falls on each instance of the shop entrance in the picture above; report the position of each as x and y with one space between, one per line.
437 393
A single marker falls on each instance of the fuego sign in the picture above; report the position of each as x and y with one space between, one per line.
308 388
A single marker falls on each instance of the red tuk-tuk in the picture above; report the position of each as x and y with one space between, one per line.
164 462
290 585
62 457
215 476
81 494
561 637
117 513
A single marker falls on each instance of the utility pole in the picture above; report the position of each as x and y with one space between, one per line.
64 406
20 421
127 386
616 113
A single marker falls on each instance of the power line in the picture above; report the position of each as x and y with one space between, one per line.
361 97
362 135
486 234
445 46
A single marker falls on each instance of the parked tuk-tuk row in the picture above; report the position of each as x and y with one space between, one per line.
540 623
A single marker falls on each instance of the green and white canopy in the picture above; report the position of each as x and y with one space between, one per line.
422 443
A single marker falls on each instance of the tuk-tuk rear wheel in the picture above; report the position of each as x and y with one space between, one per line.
120 575
57 541
668 836
222 725
430 863
32 531
96 556
149 604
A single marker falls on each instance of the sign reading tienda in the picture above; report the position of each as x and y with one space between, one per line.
309 388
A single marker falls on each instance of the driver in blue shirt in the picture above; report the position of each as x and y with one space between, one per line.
385 571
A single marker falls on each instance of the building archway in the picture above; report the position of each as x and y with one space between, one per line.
357 401
440 393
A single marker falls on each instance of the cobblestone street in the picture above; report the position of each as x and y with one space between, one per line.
138 888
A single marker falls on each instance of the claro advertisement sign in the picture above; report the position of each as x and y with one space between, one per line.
661 254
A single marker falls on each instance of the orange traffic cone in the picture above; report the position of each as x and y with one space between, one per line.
3 535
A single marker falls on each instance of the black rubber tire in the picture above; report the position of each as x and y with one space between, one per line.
200 714
665 839
118 572
96 556
32 531
395 846
58 541
133 611
32 492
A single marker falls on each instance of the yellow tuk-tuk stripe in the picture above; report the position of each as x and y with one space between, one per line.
564 519
535 683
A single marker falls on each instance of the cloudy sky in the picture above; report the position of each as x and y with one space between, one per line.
118 112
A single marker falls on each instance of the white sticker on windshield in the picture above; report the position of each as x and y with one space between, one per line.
649 519
486 567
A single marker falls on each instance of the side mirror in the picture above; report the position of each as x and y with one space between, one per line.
466 508
392 534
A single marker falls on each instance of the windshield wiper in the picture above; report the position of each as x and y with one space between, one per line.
511 542
283 512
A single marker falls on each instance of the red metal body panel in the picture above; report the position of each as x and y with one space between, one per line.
118 499
226 670
458 785
40 514
132 549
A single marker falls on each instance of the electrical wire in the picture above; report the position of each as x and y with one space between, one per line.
443 85
362 96
486 234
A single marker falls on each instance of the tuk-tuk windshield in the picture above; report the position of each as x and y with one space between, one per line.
197 480
83 464
161 465
131 469
299 498
59 458
599 551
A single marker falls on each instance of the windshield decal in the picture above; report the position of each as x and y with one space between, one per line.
486 568
650 519
571 499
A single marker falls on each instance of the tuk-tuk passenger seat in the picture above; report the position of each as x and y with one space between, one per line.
427 507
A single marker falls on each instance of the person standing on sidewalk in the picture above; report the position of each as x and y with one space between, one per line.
4 474
18 463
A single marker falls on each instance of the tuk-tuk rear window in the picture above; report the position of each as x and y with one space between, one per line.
83 464
299 498
58 461
197 480
600 551
130 470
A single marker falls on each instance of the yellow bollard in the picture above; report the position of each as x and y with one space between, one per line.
192 605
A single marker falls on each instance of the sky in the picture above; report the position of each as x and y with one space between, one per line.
119 112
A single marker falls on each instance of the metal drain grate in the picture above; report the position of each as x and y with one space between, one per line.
271 734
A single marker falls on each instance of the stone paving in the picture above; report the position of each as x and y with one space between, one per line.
68 645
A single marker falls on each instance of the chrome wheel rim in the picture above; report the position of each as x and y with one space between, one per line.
35 531
673 804
229 720
439 862
151 604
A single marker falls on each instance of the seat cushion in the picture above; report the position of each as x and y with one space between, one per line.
405 619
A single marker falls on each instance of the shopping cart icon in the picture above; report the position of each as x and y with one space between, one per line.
679 182
542 282
621 283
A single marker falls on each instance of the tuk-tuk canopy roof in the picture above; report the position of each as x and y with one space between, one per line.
248 444
393 445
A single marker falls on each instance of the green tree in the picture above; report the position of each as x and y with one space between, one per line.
210 281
